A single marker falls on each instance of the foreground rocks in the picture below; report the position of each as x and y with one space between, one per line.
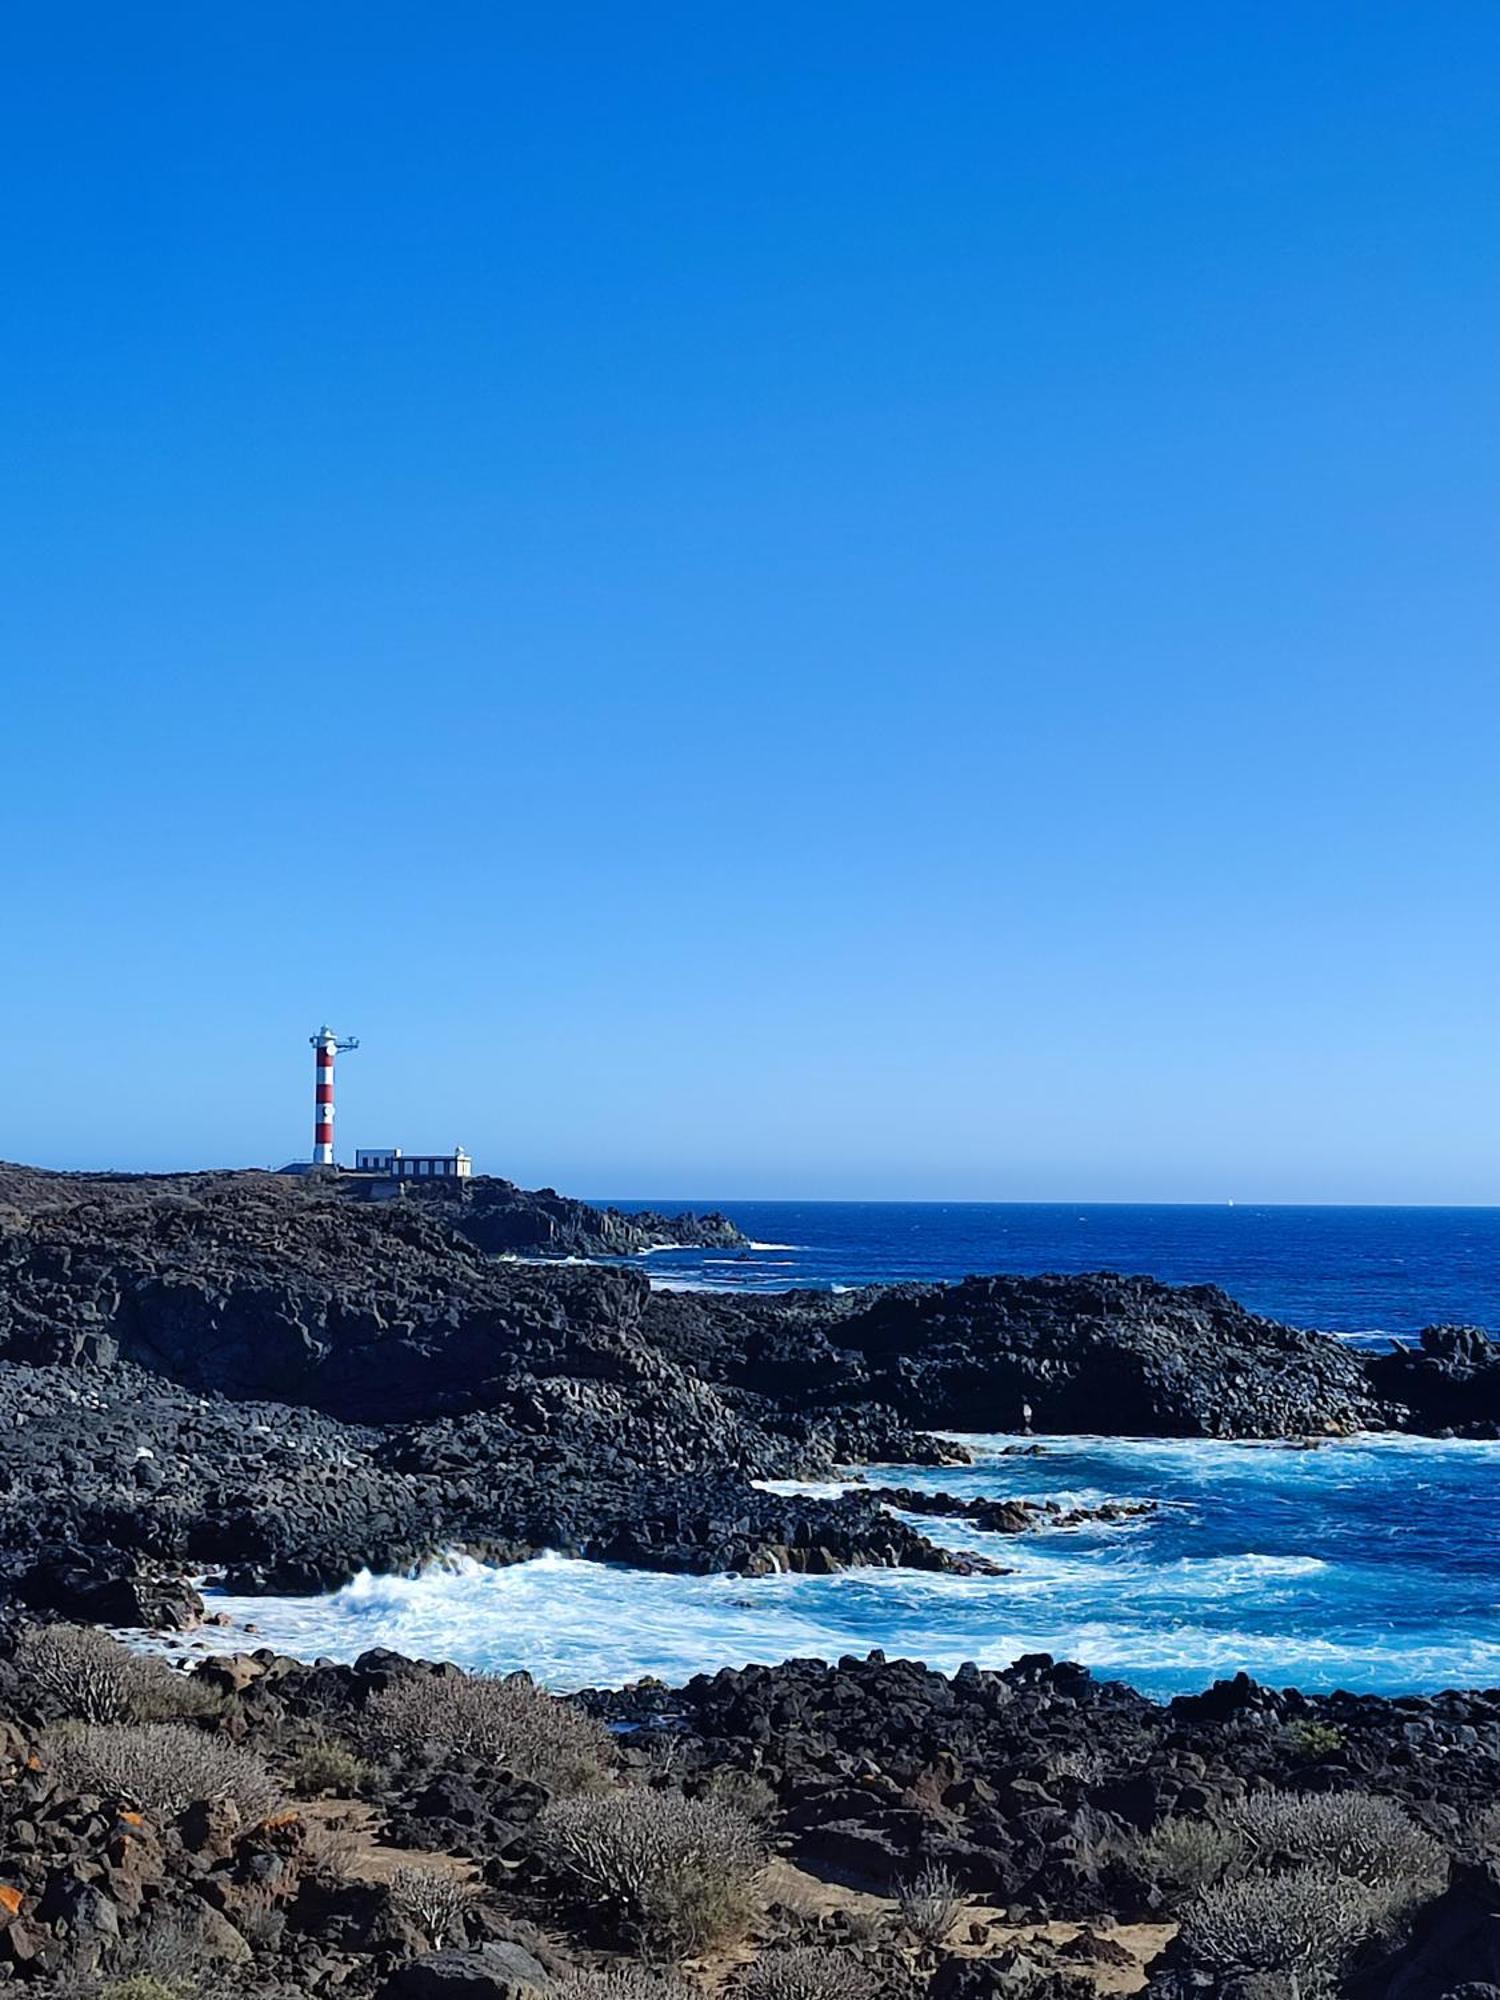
1038 1795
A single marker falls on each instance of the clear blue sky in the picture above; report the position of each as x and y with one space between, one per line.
796 599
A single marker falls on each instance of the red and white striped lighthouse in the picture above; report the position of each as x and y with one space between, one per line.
326 1045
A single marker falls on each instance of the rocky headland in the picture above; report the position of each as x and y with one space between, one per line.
279 1380
268 1375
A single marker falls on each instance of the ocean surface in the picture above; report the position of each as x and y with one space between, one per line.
1372 1564
1360 1271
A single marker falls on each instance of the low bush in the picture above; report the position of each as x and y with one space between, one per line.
1354 1834
805 1972
674 1874
746 1792
1183 1856
509 1723
622 1982
160 1767
1304 1923
1311 1741
325 1765
1481 1836
74 1672
931 1904
145 1986
438 1904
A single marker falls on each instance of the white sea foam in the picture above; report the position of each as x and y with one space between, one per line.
1361 1564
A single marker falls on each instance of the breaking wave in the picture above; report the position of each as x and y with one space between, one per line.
1372 1563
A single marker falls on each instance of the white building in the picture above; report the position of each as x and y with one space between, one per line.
413 1166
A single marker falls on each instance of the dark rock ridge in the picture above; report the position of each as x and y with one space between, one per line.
1105 1353
500 1217
1450 1382
495 1214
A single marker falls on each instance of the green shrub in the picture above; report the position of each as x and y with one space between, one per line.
326 1765
1311 1740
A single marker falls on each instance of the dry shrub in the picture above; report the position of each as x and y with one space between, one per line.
332 1851
1184 1856
79 1672
806 1972
1353 1834
674 1873
931 1904
161 1767
438 1904
621 1982
746 1791
1306 1922
1482 1832
509 1723
145 1986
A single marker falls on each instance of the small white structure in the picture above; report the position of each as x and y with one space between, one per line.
413 1166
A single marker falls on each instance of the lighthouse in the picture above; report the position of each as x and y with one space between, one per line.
326 1045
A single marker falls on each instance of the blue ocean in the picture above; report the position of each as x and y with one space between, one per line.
1355 1271
1371 1564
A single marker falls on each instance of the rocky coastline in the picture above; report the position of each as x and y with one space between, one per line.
282 1381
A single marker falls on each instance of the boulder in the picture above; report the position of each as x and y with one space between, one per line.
500 1970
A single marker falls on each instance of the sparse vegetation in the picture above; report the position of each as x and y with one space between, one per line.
1482 1835
672 1873
805 1972
326 1765
624 1982
437 1903
1323 1871
331 1851
161 1767
745 1791
145 1986
931 1904
508 1723
1183 1856
74 1672
1306 1922
1351 1834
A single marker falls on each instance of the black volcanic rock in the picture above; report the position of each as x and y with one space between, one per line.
1452 1382
1103 1353
267 1373
500 1217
